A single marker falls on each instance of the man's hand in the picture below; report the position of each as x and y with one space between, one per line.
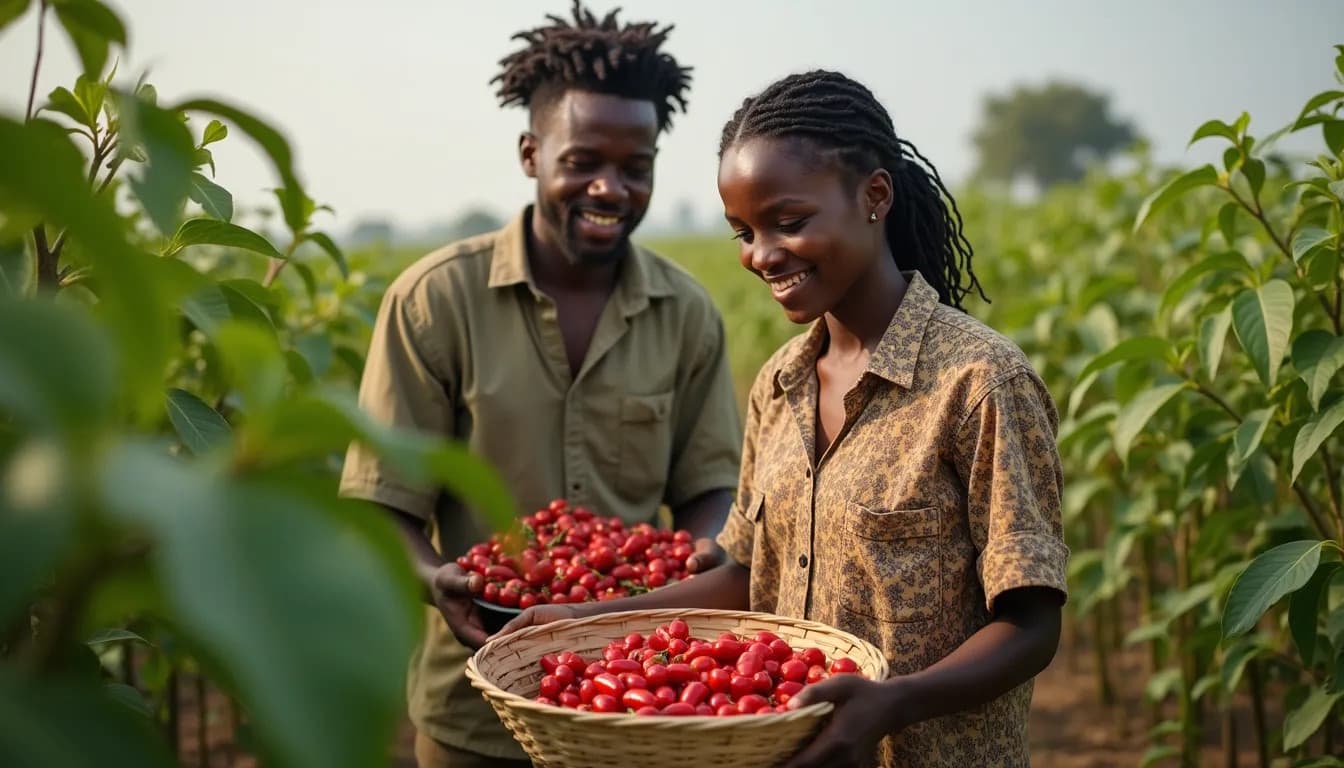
451 590
706 555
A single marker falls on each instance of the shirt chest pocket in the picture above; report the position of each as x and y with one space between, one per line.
645 446
895 563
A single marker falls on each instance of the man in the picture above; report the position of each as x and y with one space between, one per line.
580 365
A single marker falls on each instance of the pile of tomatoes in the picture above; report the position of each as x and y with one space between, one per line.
672 673
568 554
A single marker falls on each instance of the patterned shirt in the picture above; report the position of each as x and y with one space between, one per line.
941 491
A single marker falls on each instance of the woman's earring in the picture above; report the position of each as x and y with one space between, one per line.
872 216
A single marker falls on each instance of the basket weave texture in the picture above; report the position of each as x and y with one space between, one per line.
507 672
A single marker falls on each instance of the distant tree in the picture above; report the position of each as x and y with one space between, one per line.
475 221
1047 134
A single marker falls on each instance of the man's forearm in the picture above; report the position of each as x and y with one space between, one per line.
704 515
424 558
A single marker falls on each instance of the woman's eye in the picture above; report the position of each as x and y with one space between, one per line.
742 234
791 226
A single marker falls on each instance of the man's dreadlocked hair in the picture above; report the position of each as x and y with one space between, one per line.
599 56
840 116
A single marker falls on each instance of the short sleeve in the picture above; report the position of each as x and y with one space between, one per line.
1006 453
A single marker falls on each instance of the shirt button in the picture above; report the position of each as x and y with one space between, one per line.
802 561
575 486
807 472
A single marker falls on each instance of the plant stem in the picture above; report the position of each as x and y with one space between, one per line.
37 60
1258 711
273 269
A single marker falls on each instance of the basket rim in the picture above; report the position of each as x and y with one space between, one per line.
514 700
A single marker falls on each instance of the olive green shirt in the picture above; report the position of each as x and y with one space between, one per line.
466 345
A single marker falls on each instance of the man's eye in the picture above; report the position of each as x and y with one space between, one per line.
742 234
791 226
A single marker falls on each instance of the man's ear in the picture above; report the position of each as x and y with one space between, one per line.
528 147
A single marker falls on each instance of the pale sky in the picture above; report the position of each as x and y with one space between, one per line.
389 109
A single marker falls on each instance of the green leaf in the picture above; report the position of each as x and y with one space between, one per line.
1318 355
1308 239
60 723
92 27
242 307
214 232
200 426
207 309
1200 177
1157 753
37 522
1214 128
1235 661
215 131
1333 132
92 95
309 280
334 252
165 182
254 364
1263 320
1318 101
1229 261
128 697
1162 685
315 652
1304 612
1134 416
1246 440
105 636
63 101
213 199
1212 340
1254 171
1278 572
1137 348
1313 434
272 143
57 371
11 10
1227 222
1304 721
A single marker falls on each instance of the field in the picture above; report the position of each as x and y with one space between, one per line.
176 393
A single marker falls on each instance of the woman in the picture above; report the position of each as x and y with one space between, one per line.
900 478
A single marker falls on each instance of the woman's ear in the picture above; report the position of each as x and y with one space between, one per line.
878 193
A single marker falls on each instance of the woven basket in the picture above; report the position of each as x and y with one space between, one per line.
507 672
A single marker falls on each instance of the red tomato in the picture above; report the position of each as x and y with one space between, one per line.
720 680
551 687
490 593
587 690
609 684
678 629
726 650
786 690
570 699
763 682
844 666
793 670
646 711
558 505
816 673
632 680
624 572
704 710
613 653
509 597
665 694
748 664
565 675
751 703
620 665
813 657
681 673
740 686
694 693
634 640
501 573
605 703
726 710
638 697
703 664
656 675
549 662
527 600
655 580
594 669
676 646
678 709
